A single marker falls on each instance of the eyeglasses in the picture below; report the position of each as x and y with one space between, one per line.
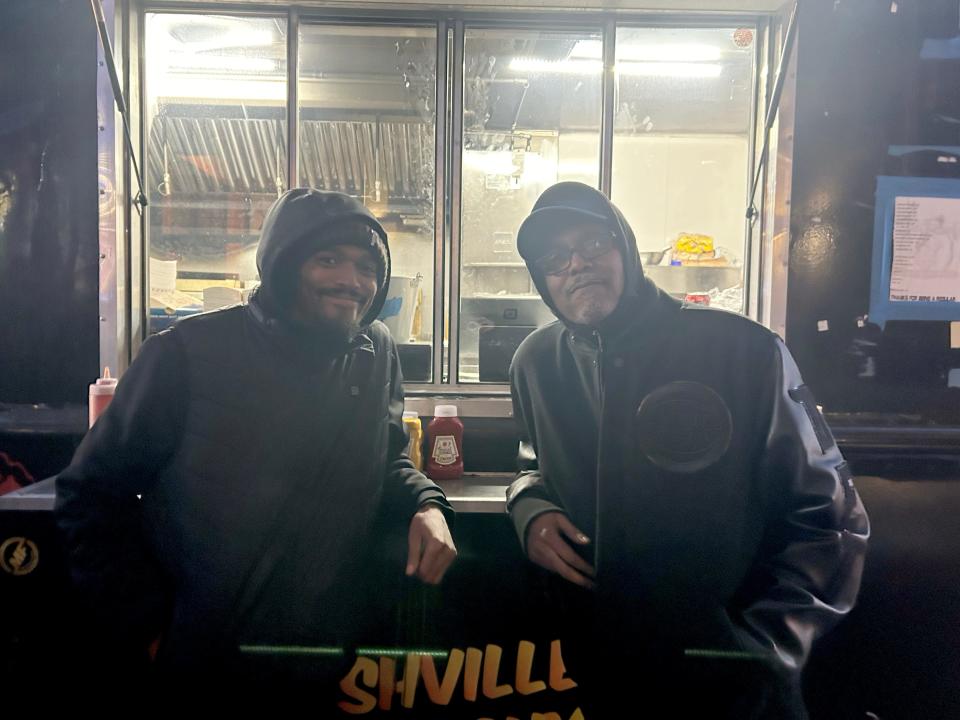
587 247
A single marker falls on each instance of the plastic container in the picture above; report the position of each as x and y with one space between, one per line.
400 305
698 298
445 443
100 394
411 421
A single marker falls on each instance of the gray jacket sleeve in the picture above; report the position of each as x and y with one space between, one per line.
808 576
528 496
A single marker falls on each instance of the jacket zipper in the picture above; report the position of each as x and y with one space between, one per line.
596 520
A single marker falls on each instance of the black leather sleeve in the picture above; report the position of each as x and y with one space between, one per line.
808 575
97 509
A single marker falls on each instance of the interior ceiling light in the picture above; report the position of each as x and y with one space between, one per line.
595 67
649 52
210 32
572 67
186 62
669 69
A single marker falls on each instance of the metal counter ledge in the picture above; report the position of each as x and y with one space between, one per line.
473 493
478 492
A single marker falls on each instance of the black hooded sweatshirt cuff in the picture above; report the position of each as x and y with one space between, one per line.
435 497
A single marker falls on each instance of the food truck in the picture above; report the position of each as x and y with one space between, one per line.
447 120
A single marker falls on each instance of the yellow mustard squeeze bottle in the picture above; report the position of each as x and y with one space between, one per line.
411 421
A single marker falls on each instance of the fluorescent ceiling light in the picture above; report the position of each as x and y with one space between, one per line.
186 62
690 52
570 67
595 67
490 162
235 37
231 90
206 32
669 69
587 49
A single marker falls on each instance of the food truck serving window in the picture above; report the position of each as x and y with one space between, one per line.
447 128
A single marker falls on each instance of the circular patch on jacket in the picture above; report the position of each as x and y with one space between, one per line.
683 426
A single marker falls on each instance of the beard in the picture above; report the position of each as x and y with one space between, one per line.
312 313
592 314
591 311
314 330
327 330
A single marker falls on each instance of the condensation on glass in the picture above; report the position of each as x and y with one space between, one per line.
531 118
216 89
367 122
216 155
681 154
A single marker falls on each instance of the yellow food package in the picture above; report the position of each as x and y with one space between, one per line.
694 243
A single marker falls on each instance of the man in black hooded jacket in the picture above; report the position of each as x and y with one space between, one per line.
677 474
262 442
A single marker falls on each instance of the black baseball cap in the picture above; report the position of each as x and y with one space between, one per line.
559 208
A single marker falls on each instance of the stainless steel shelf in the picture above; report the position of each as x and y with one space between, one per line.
693 278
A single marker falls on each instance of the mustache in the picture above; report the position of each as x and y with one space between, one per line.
347 294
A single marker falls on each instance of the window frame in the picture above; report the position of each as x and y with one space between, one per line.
481 399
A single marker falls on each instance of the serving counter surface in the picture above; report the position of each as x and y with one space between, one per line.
473 493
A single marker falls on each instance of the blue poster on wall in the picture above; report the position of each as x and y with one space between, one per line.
916 250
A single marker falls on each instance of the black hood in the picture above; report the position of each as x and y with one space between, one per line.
559 207
298 216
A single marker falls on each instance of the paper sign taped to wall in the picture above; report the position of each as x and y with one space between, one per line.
163 275
926 250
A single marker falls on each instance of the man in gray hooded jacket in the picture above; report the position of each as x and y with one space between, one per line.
678 476
225 500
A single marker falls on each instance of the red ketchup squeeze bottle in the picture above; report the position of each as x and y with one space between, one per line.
445 435
101 393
